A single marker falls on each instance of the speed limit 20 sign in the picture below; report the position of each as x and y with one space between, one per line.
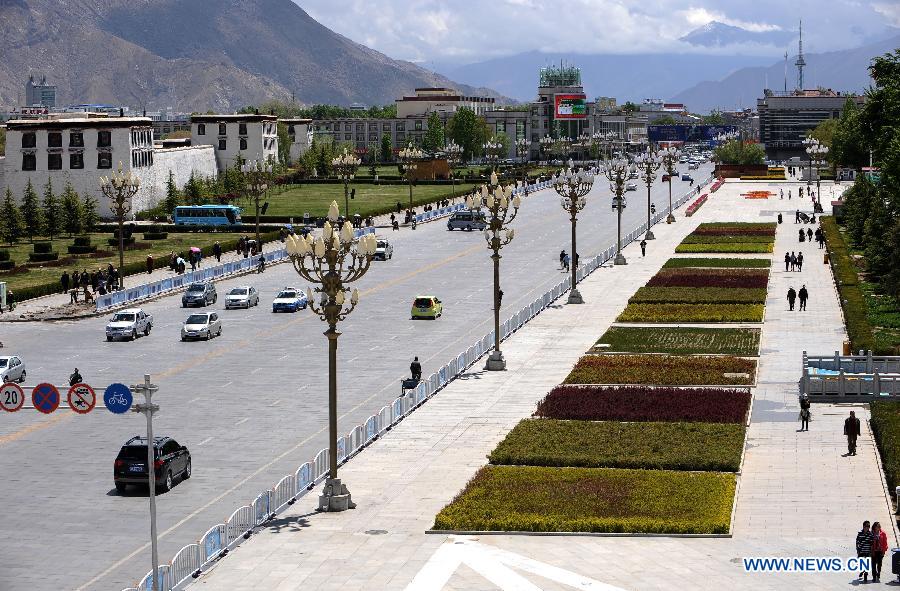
11 397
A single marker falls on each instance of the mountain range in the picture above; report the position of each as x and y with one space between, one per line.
716 34
194 55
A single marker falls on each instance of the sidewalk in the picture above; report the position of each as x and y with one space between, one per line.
797 495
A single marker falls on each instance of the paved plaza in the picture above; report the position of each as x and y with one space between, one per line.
798 494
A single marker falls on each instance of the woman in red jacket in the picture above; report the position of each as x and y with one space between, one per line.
879 547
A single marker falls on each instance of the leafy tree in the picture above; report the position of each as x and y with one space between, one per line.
172 195
73 221
31 212
284 144
232 180
737 152
11 225
53 219
848 142
434 136
89 217
665 120
504 140
469 131
630 107
858 203
387 150
193 191
714 118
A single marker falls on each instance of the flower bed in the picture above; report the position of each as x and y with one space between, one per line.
693 207
757 194
644 403
697 262
731 278
734 247
682 340
663 370
736 228
711 447
698 295
521 498
715 186
692 313
725 238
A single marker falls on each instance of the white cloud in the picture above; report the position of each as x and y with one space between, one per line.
890 11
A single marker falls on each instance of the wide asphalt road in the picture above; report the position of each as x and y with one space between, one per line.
252 405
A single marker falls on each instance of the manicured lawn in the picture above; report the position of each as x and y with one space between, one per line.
883 313
692 313
853 301
728 247
717 262
523 498
682 340
663 370
885 422
712 447
698 295
727 237
645 403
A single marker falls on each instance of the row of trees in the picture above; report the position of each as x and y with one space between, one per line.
285 110
740 152
50 215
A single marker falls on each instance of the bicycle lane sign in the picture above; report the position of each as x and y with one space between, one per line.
117 398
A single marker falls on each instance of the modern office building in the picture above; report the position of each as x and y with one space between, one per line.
40 93
445 101
241 136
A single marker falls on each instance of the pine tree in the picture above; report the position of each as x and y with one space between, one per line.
193 193
172 195
71 211
89 217
53 220
31 212
386 148
11 225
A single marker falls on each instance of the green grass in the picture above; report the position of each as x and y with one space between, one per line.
729 247
663 370
717 262
682 340
692 313
699 295
883 313
707 239
712 447
885 420
537 499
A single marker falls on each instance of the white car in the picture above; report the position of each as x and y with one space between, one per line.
631 187
12 369
128 324
289 299
383 250
244 296
202 325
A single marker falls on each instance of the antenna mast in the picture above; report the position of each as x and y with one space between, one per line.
800 63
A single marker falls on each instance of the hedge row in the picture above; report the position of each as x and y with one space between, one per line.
699 295
692 313
885 421
663 370
726 238
645 403
510 498
731 247
714 447
698 277
853 302
698 262
682 340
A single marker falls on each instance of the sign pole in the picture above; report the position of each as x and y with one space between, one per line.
148 409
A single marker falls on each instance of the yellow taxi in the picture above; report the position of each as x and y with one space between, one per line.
426 306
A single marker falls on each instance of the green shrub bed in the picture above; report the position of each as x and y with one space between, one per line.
698 295
537 499
885 421
645 403
717 238
710 447
732 228
729 247
42 257
698 262
692 313
4 255
663 370
80 249
43 247
155 235
7 265
853 301
682 340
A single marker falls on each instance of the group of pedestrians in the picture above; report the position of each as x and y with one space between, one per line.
793 296
872 543
793 262
99 282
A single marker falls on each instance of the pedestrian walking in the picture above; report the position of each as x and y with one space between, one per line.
149 264
780 219
804 412
217 251
415 369
787 261
193 262
851 431
566 263
73 295
793 261
562 258
797 217
95 279
809 234
789 194
802 235
781 191
864 539
791 297
85 278
64 281
879 547
173 261
643 247
800 261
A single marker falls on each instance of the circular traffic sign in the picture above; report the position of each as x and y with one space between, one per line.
45 398
117 398
82 398
11 397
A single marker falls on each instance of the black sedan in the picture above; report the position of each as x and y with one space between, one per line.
171 461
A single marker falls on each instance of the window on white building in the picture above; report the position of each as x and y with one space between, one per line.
76 139
54 161
243 143
222 144
54 139
222 129
29 140
201 129
104 139
76 161
29 161
242 128
104 160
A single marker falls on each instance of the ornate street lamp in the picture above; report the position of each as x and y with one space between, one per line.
648 163
492 150
502 208
572 187
332 261
409 158
257 175
345 167
453 153
120 188
522 146
617 171
670 158
816 152
545 143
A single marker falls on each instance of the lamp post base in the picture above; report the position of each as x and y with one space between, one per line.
620 259
649 235
495 361
575 297
670 219
335 496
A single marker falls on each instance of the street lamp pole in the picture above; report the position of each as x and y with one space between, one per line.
617 171
648 163
256 177
670 161
120 188
345 167
454 154
492 149
332 261
572 187
545 143
502 208
409 156
148 409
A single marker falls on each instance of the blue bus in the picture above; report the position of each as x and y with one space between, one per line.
207 215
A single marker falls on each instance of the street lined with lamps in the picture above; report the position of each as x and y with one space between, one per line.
648 163
120 188
345 167
617 171
257 176
409 158
670 158
572 187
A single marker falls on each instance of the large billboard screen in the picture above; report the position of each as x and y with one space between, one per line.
687 133
570 106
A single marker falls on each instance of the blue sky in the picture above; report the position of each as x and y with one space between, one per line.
461 31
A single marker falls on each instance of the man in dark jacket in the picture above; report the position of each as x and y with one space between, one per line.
64 281
864 546
803 295
415 368
852 431
217 251
787 261
791 297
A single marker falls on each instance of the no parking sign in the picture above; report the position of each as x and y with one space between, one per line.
45 398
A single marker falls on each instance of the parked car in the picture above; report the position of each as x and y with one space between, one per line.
128 324
199 294
289 299
12 369
631 187
243 296
467 220
427 307
383 250
202 325
170 461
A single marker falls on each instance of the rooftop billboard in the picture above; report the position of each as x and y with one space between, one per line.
570 106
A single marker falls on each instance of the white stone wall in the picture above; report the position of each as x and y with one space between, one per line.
301 142
261 140
182 162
